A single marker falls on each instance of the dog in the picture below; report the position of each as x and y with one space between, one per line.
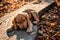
24 20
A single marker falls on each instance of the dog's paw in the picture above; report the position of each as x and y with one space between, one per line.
29 30
35 22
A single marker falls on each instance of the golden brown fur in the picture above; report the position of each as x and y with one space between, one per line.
23 20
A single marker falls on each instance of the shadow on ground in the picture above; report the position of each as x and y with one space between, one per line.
21 34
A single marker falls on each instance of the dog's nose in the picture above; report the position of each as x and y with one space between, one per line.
21 26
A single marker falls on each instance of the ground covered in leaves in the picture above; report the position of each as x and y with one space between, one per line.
7 6
49 25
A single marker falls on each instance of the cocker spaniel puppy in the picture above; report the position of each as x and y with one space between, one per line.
24 20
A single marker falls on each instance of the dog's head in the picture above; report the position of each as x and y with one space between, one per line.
20 21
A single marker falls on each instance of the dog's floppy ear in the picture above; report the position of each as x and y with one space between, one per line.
30 25
28 20
26 16
14 24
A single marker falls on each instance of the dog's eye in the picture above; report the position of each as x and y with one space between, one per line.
23 20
